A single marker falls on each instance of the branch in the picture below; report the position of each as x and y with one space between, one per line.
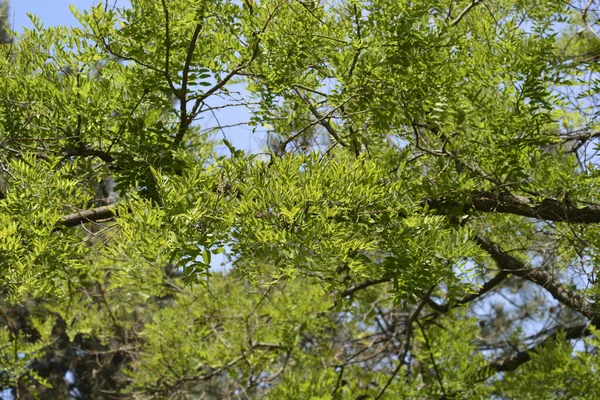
584 15
227 77
185 121
322 121
338 381
204 96
507 203
167 48
93 215
406 344
108 48
573 143
360 286
489 285
540 277
438 375
512 362
581 137
465 12
85 152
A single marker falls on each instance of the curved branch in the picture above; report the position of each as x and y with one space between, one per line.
184 120
168 48
540 277
465 12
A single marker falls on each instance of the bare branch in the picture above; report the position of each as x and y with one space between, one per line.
86 152
438 374
363 285
582 137
235 71
204 96
320 121
584 15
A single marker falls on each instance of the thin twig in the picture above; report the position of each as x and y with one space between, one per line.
411 319
324 122
435 368
168 48
584 15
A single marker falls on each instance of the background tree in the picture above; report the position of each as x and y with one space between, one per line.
4 23
422 223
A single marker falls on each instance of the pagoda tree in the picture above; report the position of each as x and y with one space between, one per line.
421 221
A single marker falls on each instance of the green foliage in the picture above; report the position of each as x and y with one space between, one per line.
422 222
557 373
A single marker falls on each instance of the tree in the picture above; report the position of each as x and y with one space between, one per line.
4 25
423 222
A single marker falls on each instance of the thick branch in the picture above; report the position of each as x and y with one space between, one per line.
93 215
548 209
580 137
540 277
85 152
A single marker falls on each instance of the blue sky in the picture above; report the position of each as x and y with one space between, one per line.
51 12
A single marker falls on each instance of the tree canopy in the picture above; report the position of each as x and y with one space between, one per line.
421 222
